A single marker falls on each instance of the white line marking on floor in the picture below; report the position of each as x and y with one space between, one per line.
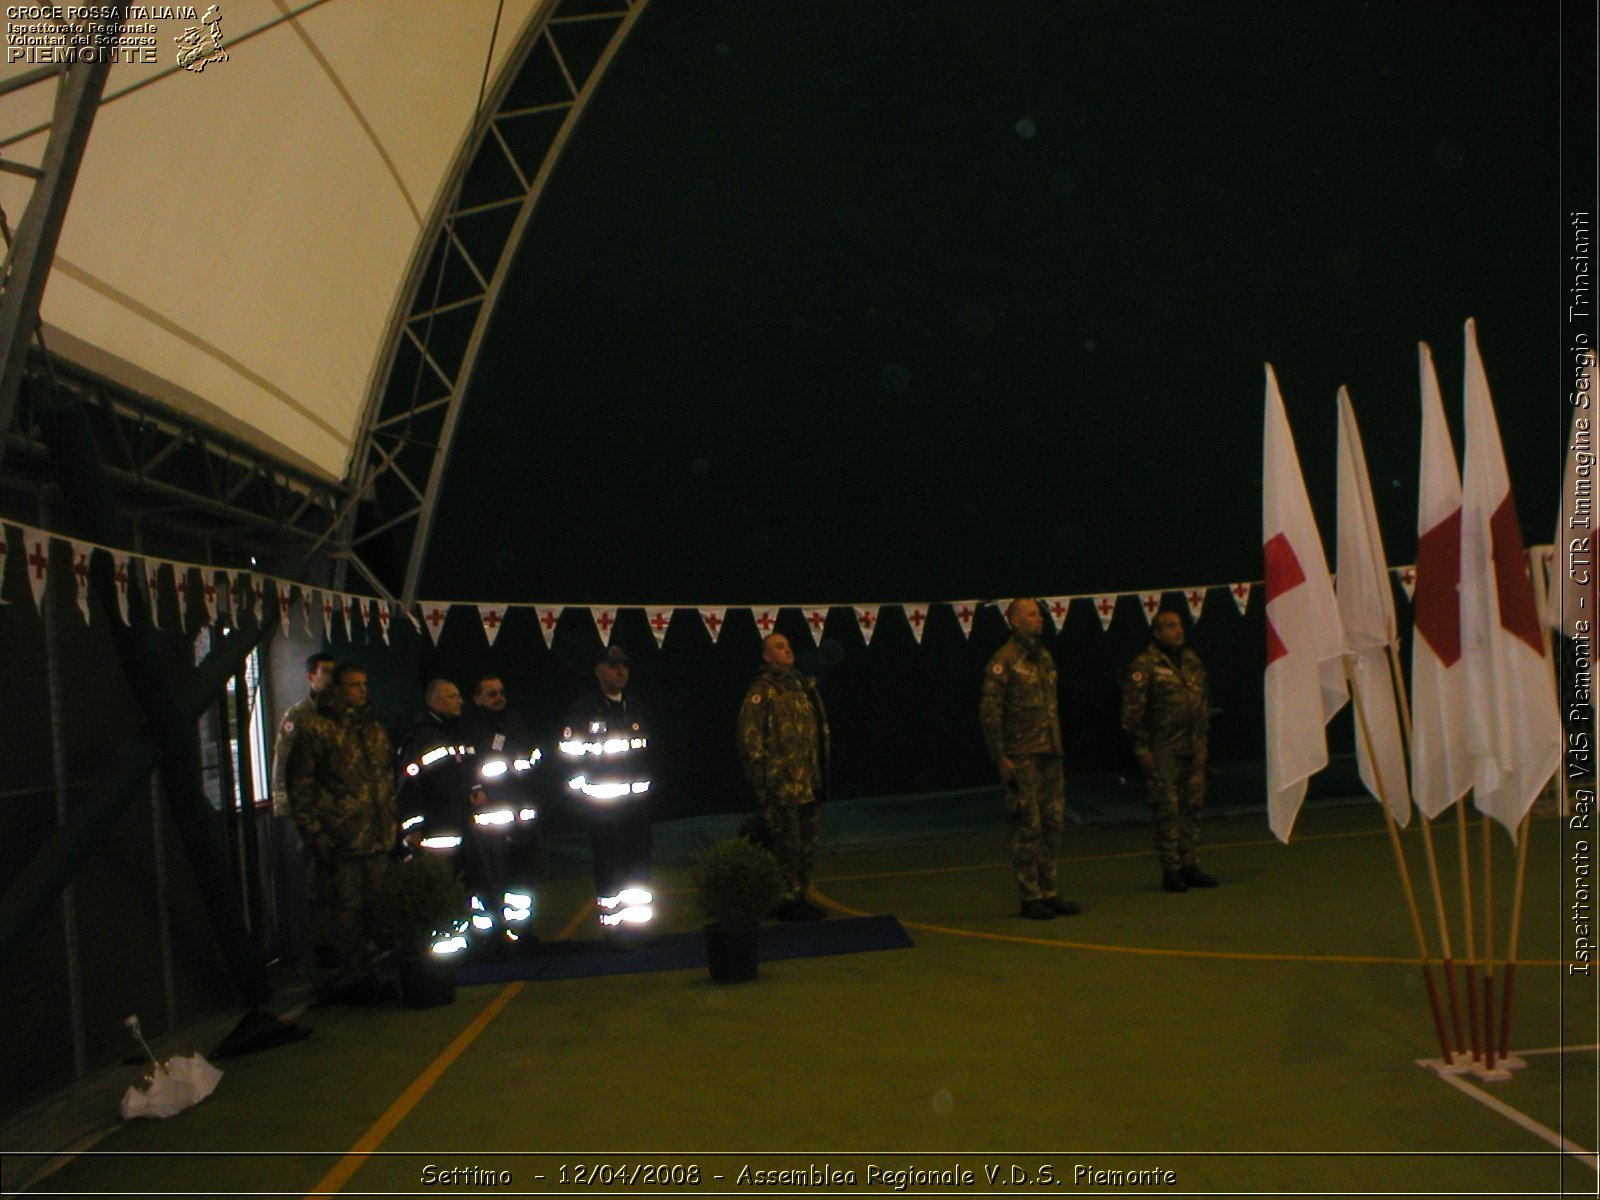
1518 1117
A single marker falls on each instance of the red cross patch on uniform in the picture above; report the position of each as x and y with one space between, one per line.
288 726
755 697
998 669
1138 676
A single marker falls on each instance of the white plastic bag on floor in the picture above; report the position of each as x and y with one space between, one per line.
175 1085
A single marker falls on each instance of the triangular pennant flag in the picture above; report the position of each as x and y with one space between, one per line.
866 620
965 611
766 619
433 615
1408 580
122 576
1105 607
917 618
305 607
378 611
238 596
1057 607
816 616
493 616
1195 598
183 577
1241 596
208 592
660 618
36 558
256 605
80 575
549 614
1150 604
328 609
152 587
604 619
713 619
351 607
280 590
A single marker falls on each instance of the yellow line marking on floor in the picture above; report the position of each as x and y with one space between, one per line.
1084 858
369 1141
578 918
1153 951
1517 1117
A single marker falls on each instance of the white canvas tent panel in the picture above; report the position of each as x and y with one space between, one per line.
237 236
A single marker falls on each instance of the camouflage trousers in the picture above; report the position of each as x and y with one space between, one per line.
794 827
338 894
1036 805
1177 793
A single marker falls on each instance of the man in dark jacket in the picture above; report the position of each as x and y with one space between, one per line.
506 823
605 753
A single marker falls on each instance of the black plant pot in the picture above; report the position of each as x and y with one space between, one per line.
733 955
427 981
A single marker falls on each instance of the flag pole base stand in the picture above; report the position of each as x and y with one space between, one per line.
1495 1074
1512 1063
1461 1066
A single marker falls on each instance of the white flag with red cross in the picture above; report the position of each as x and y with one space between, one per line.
210 589
36 558
1305 643
866 620
659 619
713 619
186 581
766 620
152 589
307 602
816 616
1195 598
433 614
604 619
549 615
80 574
328 609
1516 729
1241 596
280 589
350 607
122 575
378 612
1057 607
966 612
1150 605
917 618
493 616
258 599
1105 607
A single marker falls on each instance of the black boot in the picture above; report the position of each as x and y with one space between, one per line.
1195 877
1173 881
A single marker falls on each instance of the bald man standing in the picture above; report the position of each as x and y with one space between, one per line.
1022 729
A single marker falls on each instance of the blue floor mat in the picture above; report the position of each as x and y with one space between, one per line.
677 951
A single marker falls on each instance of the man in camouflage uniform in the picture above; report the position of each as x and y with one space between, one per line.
319 672
783 747
1023 732
341 795
1165 698
287 856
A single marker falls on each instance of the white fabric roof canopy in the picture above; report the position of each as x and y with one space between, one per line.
237 235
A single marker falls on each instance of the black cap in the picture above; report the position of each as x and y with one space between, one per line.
612 654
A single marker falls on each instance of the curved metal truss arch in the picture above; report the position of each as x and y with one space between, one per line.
442 314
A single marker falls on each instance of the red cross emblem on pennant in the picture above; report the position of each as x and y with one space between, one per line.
492 619
604 619
916 616
180 584
817 619
283 603
713 622
548 618
80 568
764 620
435 617
1106 606
327 607
1058 610
1194 598
659 621
38 560
867 619
1151 603
1408 577
383 614
121 578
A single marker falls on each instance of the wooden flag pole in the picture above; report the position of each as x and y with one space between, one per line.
1400 865
1466 918
1447 956
1488 942
1516 928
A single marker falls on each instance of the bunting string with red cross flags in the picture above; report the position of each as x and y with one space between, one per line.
713 619
1241 596
36 559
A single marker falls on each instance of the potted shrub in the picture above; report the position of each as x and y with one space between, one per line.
736 884
416 904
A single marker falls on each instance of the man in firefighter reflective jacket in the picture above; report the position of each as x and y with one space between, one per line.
438 795
604 749
506 823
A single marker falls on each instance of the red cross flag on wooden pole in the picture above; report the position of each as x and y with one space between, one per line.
1195 598
493 616
916 617
1105 607
549 614
816 617
433 615
604 619
1305 682
36 548
80 575
122 576
866 620
660 618
1241 596
966 611
713 619
766 619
